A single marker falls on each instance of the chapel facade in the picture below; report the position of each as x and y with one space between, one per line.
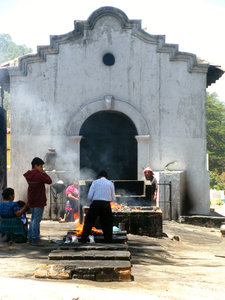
109 95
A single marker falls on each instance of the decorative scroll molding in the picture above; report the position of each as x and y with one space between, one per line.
137 31
108 102
85 111
109 11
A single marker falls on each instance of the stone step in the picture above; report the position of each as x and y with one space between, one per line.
97 270
200 220
89 255
95 233
94 246
115 238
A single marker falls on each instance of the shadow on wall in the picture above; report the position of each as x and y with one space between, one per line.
187 206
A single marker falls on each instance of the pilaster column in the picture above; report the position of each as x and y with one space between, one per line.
143 154
75 145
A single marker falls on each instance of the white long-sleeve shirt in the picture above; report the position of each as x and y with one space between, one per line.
102 189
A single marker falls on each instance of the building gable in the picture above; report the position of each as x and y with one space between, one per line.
82 27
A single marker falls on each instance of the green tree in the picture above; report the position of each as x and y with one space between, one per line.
215 116
9 50
217 182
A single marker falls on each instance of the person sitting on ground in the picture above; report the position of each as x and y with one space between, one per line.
12 227
23 217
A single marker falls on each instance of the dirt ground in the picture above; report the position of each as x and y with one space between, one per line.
187 263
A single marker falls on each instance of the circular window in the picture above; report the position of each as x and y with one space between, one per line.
108 59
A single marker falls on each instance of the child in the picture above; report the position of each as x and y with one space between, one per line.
37 200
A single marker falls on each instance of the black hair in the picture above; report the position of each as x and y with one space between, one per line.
103 173
21 203
7 193
37 161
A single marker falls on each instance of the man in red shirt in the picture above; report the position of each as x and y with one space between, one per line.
36 179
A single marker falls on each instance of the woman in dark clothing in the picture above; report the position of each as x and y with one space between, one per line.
12 227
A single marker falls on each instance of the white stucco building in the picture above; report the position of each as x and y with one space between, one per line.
110 95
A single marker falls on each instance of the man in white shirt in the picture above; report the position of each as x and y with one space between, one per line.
149 175
101 193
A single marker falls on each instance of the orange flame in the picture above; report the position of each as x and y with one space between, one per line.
76 216
79 228
115 205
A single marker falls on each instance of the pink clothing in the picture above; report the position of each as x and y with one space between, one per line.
72 190
72 205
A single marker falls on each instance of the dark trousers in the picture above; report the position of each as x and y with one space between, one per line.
101 209
70 213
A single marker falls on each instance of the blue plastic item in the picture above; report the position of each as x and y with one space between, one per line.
115 229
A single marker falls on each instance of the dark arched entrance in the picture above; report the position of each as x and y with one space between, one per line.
109 143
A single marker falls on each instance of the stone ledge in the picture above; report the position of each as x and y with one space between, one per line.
94 246
92 270
201 220
100 238
118 233
52 271
141 222
89 255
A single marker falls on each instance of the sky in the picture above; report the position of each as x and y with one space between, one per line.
197 26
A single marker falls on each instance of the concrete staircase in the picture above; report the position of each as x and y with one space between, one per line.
93 261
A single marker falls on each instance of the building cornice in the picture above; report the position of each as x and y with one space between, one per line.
135 25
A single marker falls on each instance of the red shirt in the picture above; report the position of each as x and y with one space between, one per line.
36 187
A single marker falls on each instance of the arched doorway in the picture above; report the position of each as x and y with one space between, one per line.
108 142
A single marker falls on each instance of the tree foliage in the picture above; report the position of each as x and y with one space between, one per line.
217 182
215 116
9 50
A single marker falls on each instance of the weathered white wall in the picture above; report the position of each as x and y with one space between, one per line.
165 99
172 201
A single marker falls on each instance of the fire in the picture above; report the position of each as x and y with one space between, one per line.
96 230
115 205
122 207
79 228
76 216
